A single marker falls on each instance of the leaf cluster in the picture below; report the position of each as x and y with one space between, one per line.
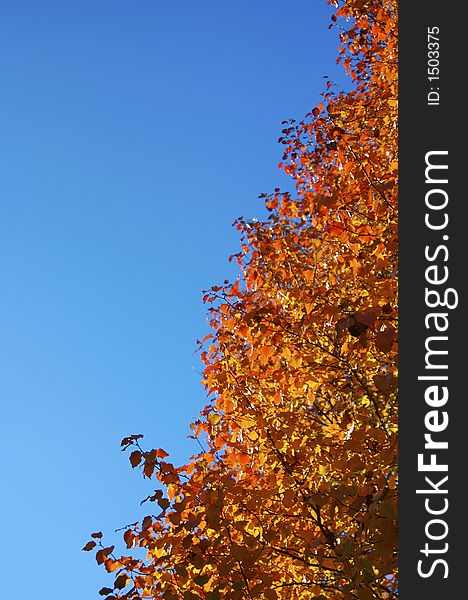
294 492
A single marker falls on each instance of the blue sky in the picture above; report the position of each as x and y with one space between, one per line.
132 135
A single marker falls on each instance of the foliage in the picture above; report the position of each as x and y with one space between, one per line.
294 495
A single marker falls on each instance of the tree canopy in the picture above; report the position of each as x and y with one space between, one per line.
294 492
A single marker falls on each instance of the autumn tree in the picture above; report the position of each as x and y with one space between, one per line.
294 493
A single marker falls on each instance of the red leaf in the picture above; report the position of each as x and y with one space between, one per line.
121 581
128 537
105 591
101 555
148 469
135 458
89 546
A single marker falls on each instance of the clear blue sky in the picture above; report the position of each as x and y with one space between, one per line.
132 134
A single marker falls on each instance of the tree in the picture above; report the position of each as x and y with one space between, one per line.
294 492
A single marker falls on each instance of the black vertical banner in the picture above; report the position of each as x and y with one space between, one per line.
433 238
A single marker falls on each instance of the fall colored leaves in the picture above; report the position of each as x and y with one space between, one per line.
293 494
